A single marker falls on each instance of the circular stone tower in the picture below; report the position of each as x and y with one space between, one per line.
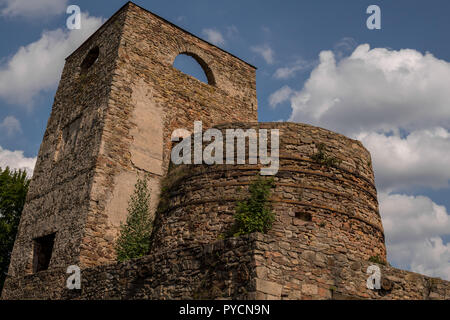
324 195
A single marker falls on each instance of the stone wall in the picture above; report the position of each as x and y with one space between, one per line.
251 267
221 270
111 121
59 196
333 207
149 99
318 273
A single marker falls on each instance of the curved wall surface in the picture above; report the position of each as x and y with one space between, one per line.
329 205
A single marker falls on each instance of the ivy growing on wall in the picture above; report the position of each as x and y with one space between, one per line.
255 213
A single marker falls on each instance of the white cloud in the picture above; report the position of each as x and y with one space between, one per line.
376 90
32 8
16 160
398 104
344 47
421 159
37 67
414 227
280 96
10 126
266 52
214 36
290 71
432 257
406 218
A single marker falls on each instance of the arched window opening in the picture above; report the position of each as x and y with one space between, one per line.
90 59
194 66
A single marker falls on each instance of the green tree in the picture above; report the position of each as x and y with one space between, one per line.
255 213
13 191
134 238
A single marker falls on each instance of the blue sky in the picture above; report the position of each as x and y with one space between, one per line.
317 63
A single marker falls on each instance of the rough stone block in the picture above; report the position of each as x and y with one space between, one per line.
310 289
268 287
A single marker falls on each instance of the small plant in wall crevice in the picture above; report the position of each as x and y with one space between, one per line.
377 259
322 158
255 213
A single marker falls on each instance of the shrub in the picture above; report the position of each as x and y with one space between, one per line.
254 214
134 238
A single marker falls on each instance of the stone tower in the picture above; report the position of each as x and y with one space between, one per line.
118 101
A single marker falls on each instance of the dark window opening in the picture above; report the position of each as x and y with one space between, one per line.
43 248
305 216
90 59
194 66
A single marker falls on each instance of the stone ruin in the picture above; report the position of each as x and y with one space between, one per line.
117 104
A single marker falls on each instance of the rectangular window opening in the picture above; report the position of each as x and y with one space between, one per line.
43 248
